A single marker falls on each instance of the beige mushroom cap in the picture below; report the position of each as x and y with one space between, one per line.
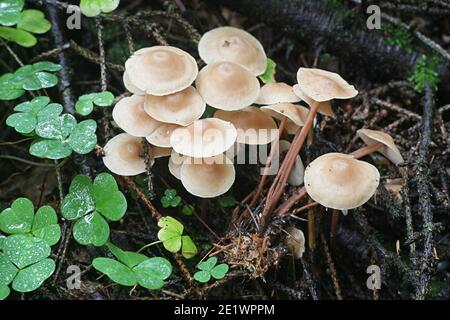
324 107
123 155
390 150
160 137
298 170
182 107
130 86
321 85
160 152
339 181
130 116
295 242
227 86
276 92
204 138
252 124
175 162
296 114
235 45
161 70
209 177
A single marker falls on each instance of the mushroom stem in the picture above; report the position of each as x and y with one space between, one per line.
362 152
334 224
280 180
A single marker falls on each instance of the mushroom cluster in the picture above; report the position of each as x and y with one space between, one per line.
166 111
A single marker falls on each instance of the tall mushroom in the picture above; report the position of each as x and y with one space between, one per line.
378 141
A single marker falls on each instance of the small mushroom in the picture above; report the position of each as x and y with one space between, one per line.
321 85
227 86
161 70
339 181
182 107
381 142
276 92
295 114
207 177
235 45
204 138
123 155
130 86
160 137
298 170
252 124
324 107
295 242
130 116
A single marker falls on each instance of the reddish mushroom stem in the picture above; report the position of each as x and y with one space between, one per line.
366 150
334 223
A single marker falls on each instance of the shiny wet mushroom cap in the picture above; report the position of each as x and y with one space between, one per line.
252 124
389 149
276 92
124 155
207 177
130 116
227 86
235 45
160 137
161 70
324 107
339 181
204 138
321 85
182 107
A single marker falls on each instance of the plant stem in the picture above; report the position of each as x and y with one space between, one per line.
149 245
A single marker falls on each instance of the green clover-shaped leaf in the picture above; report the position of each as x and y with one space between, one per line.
219 271
83 139
208 264
37 76
188 248
33 21
202 276
18 218
24 250
116 271
92 8
9 88
187 210
80 199
209 268
50 149
152 272
7 270
269 74
10 11
45 225
4 291
170 198
19 36
130 259
85 103
109 201
171 235
58 128
33 277
91 229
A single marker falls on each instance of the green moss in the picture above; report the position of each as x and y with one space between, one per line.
425 73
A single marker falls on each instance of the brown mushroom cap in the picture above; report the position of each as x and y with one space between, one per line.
182 107
130 86
161 70
160 137
252 124
123 155
321 85
295 242
130 116
204 138
209 177
390 150
276 92
235 45
324 107
339 181
296 114
227 86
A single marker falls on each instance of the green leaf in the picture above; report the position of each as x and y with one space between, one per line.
226 201
7 270
219 271
85 103
22 122
91 229
33 277
84 107
80 200
202 276
4 292
187 210
92 8
170 198
51 111
171 239
188 248
21 37
33 21
24 250
207 265
46 66
109 201
45 225
10 11
103 99
83 139
50 149
130 259
9 88
171 223
269 74
56 128
115 270
152 272
18 218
